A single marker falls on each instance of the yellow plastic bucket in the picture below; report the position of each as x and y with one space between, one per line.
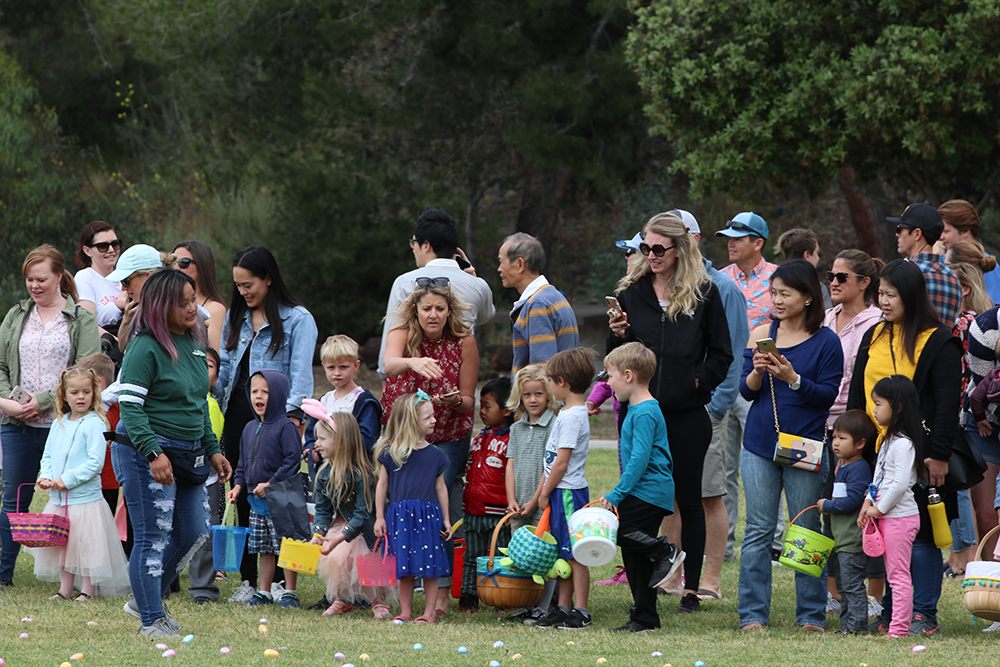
298 556
805 550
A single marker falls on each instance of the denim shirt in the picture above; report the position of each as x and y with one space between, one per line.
360 520
294 357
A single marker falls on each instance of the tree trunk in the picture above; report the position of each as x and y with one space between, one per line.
870 205
540 202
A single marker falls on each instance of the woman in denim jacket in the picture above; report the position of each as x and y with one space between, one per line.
265 327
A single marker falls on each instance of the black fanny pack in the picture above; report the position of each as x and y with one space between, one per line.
190 466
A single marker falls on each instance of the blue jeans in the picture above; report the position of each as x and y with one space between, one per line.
453 449
963 530
764 480
927 570
22 457
169 522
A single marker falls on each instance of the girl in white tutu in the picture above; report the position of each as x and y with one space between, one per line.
344 521
71 471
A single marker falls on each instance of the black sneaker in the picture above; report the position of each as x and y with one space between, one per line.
576 619
319 606
202 599
666 568
631 626
689 604
555 617
469 602
520 615
880 624
921 626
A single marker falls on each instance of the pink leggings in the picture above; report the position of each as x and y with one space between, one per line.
898 534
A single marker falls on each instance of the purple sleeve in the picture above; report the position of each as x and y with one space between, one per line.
600 393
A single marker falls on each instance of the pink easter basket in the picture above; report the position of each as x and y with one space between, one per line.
375 569
871 539
38 530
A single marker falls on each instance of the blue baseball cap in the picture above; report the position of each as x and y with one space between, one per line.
632 243
745 224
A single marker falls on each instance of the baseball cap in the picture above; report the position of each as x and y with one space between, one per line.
745 224
632 243
689 220
923 217
140 257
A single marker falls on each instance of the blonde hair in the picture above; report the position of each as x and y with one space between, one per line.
968 262
684 290
350 459
634 357
406 312
338 347
80 372
531 373
101 364
402 433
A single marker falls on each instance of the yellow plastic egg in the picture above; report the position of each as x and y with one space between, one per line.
365 657
516 656
76 656
262 629
602 661
65 664
270 653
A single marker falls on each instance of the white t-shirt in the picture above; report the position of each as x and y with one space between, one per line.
92 286
570 431
346 404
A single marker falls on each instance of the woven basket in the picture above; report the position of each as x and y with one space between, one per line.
502 587
981 586
39 530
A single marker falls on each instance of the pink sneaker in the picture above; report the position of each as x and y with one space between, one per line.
339 607
381 611
619 577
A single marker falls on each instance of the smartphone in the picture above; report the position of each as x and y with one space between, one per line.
614 306
463 263
20 396
766 345
454 392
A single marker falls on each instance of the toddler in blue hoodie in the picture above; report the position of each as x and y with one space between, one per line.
270 452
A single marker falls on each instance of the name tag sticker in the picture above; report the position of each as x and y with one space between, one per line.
199 461
839 490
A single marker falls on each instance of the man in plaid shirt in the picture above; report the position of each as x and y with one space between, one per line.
917 230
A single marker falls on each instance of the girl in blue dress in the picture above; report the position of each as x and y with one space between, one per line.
411 473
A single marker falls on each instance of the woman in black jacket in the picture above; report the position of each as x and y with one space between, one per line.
670 305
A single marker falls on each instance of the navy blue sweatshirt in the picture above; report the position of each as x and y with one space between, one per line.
271 448
855 477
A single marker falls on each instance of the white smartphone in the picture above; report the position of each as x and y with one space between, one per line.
766 345
613 305
449 394
19 395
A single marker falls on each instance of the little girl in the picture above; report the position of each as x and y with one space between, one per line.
345 493
412 473
71 470
891 498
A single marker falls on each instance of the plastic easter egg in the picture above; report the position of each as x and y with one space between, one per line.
65 664
350 664
417 647
602 661
498 644
24 635
699 663
463 650
270 653
494 663
339 657
262 629
516 656
76 656
224 650
27 619
188 639
162 647
656 654
919 648
263 620
169 653
398 621
364 657
91 623
570 643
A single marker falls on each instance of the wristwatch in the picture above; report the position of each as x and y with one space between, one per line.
152 456
795 385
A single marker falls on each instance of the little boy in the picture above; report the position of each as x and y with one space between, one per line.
852 432
645 492
270 452
339 356
563 485
484 499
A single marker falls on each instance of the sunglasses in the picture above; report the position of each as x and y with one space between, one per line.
425 282
104 245
657 249
629 252
742 227
137 274
841 277
185 262
903 228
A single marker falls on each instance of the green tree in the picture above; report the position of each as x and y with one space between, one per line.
900 92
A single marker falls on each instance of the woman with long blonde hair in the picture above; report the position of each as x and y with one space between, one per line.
669 303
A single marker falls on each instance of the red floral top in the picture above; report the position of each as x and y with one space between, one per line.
451 425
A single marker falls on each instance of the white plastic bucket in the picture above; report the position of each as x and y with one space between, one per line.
593 532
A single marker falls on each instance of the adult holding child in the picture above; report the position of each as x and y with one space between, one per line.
913 342
798 383
40 337
195 259
669 304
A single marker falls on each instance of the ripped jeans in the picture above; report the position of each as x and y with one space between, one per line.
170 523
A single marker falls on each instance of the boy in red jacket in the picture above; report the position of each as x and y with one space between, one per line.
485 497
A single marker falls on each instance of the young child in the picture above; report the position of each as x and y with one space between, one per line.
484 499
71 470
345 498
411 473
339 355
532 396
645 492
270 452
563 485
852 432
891 498
104 369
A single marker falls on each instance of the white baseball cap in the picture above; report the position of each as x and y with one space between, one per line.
139 257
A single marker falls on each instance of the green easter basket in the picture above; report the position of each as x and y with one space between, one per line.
505 587
805 550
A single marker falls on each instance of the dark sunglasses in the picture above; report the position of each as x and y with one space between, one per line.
657 249
425 282
126 281
185 262
742 227
104 245
903 228
841 277
629 252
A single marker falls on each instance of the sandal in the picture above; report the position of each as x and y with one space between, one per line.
59 596
84 597
425 619
404 619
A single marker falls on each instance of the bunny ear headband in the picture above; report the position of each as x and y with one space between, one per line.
315 409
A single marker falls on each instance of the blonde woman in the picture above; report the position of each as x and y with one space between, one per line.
670 305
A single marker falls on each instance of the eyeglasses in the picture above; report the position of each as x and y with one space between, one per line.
104 245
630 251
742 227
425 282
657 249
137 274
903 228
185 262
841 277
412 242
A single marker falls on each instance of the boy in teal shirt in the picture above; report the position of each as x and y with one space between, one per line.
645 492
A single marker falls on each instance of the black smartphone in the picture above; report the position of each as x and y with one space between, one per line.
463 263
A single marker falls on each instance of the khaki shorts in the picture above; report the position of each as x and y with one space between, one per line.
713 476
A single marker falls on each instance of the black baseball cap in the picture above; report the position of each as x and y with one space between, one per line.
923 217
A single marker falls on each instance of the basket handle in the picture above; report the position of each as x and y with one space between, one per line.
17 498
802 512
982 542
225 514
385 547
496 534
613 508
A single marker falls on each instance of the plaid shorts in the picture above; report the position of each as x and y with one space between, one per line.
263 538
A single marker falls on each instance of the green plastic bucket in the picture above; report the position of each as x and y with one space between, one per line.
805 550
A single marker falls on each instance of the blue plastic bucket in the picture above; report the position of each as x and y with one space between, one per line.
227 547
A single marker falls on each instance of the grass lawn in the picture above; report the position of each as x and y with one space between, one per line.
106 636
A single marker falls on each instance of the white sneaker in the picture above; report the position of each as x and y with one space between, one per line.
874 608
993 628
277 590
832 605
242 594
132 609
159 628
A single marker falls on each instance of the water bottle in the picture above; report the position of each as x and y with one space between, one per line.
939 519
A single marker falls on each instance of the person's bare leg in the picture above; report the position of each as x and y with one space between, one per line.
876 588
581 585
66 583
566 585
406 586
430 598
716 530
670 528
831 587
267 564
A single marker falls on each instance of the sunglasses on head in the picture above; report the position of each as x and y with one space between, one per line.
742 227
630 251
425 282
104 245
657 249
841 277
185 262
